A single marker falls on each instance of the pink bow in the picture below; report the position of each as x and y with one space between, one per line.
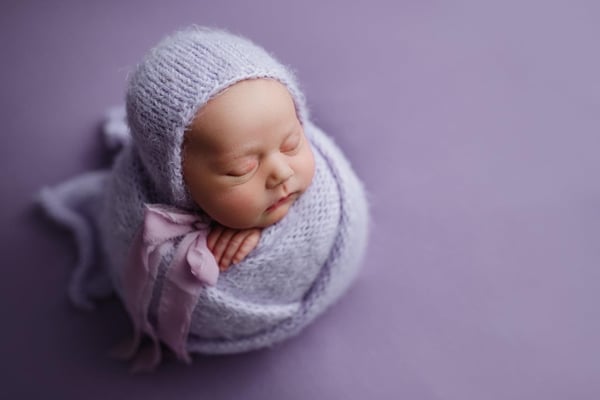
193 265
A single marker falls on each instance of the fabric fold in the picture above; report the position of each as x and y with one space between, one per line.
165 228
75 205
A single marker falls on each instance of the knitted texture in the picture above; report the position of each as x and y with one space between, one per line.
301 265
178 77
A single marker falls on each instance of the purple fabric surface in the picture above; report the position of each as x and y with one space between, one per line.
476 128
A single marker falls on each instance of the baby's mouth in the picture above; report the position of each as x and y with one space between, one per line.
284 200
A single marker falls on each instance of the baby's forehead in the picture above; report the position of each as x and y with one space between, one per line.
244 112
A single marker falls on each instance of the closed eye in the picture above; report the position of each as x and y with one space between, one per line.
243 169
292 143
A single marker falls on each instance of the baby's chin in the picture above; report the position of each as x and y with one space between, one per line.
275 217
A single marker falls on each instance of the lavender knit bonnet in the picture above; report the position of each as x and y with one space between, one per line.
175 80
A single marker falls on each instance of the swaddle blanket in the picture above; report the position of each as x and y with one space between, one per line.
301 265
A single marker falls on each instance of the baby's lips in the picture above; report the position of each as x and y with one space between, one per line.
281 201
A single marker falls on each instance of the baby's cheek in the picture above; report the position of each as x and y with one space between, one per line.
305 167
243 205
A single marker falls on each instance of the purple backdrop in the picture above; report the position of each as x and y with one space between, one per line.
476 128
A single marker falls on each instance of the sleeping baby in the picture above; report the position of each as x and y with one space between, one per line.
228 221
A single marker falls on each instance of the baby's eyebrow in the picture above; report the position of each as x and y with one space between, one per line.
247 150
244 152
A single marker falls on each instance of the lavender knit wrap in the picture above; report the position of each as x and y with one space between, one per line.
301 265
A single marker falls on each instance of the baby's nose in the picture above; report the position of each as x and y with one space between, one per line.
280 172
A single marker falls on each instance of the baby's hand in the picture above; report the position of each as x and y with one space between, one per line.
230 246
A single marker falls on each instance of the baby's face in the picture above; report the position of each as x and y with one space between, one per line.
245 156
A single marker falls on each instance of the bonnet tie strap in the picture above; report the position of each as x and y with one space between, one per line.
192 267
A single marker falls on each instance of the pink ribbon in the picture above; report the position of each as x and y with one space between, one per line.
193 266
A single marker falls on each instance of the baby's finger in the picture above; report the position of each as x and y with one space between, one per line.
249 243
221 244
215 231
232 248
